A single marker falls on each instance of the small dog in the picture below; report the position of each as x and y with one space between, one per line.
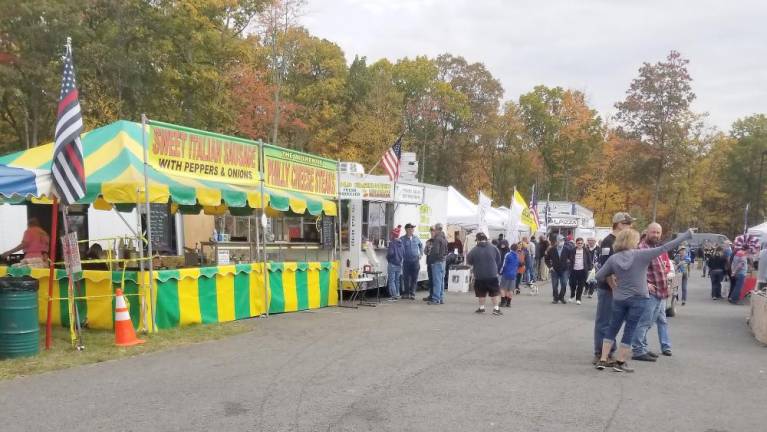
533 289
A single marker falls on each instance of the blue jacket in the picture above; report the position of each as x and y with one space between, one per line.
510 265
413 248
395 253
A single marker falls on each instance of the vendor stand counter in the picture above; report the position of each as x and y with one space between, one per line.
198 295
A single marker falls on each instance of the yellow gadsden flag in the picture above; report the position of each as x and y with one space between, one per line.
526 216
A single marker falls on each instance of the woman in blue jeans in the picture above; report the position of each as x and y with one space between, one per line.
630 293
739 272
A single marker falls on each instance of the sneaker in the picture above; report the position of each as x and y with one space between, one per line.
563 302
601 365
426 299
497 312
644 357
480 310
652 354
433 303
610 361
622 367
577 302
596 359
392 299
555 302
683 303
590 295
667 353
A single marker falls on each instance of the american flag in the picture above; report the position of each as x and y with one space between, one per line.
391 159
534 205
68 169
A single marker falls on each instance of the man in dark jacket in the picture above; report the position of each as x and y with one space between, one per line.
436 260
560 259
485 260
394 258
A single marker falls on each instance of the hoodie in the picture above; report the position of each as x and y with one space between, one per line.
510 265
485 259
630 267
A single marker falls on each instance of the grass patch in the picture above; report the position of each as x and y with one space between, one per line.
99 347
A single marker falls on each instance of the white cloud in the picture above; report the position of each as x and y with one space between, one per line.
592 45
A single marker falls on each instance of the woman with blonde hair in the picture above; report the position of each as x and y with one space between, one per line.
630 294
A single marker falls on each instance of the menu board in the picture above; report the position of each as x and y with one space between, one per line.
159 220
328 232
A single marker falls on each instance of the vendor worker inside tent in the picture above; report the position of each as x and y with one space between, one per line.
35 243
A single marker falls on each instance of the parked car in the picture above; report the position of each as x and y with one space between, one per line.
699 238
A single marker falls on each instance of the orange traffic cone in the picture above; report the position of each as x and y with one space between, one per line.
124 333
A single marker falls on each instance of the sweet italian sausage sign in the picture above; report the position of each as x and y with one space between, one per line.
202 155
296 171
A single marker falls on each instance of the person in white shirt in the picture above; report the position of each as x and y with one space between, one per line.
582 263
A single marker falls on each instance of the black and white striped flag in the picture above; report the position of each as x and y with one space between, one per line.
68 169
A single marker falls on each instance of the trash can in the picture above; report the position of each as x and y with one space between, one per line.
19 329
460 278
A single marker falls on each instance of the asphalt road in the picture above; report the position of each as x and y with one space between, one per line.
413 367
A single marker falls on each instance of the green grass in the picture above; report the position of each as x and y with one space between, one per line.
99 347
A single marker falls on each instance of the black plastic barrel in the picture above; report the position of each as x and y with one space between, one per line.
19 328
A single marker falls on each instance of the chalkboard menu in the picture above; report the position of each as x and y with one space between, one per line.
159 218
328 233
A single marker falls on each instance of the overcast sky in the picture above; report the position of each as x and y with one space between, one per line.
595 46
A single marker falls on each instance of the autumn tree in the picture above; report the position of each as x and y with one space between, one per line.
275 22
565 132
745 164
656 111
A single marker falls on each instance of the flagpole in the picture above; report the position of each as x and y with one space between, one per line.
52 273
375 166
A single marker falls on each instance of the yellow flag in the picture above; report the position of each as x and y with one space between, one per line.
528 218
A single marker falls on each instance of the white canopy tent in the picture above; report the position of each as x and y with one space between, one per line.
759 231
465 214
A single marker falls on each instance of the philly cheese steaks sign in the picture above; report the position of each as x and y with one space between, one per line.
301 172
202 155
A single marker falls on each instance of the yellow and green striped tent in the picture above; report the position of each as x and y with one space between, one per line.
114 171
190 296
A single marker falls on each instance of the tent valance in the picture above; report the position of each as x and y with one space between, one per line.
20 184
114 167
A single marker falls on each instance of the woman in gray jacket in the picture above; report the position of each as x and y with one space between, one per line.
630 294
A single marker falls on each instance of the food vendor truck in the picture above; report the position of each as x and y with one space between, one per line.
371 206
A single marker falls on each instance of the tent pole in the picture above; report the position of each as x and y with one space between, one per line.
51 275
148 224
263 231
339 222
140 247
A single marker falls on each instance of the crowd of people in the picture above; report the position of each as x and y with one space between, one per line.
629 272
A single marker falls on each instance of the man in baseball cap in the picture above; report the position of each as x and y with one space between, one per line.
623 218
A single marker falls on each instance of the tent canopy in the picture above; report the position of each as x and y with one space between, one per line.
21 184
464 213
114 168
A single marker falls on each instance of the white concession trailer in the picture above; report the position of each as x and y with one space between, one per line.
371 206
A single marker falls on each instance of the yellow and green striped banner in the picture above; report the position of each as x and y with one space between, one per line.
191 296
